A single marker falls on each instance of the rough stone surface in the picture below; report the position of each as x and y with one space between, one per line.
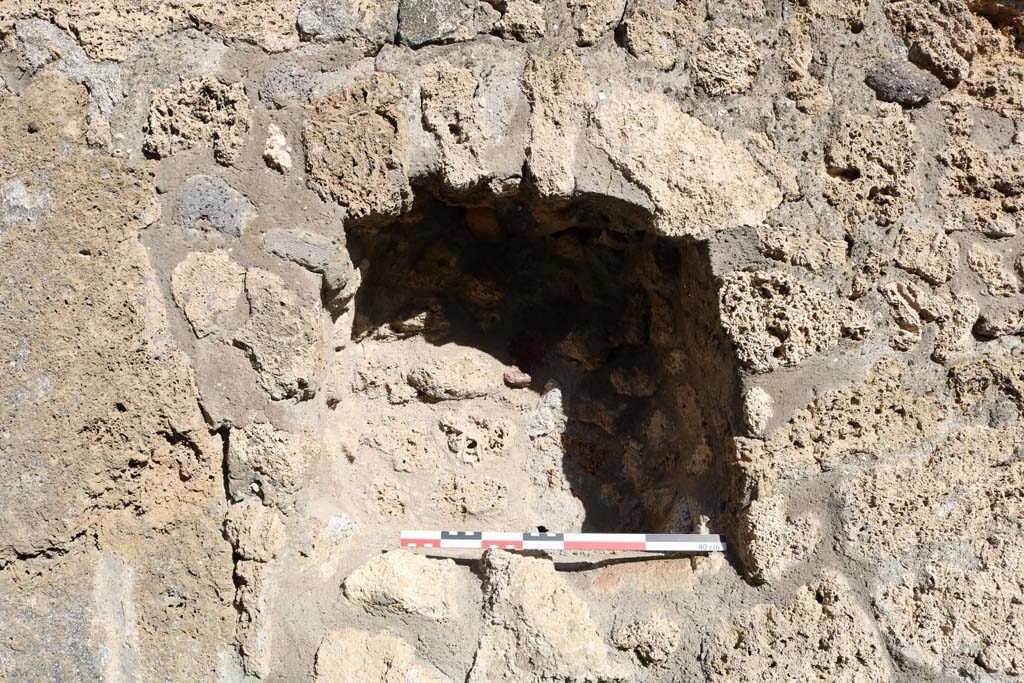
276 151
993 270
657 32
757 408
269 24
775 319
940 35
467 376
209 207
19 204
442 21
593 19
253 634
929 253
901 82
255 531
905 486
401 581
203 111
961 600
522 20
868 163
110 30
804 85
952 613
1000 322
356 148
472 496
100 422
873 419
692 196
653 640
354 655
982 187
450 113
268 462
320 254
364 25
725 62
537 628
801 248
207 286
776 540
560 97
283 338
282 277
820 634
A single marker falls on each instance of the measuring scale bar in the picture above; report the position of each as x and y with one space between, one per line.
697 543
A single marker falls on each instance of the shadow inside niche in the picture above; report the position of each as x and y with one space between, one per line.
579 296
473 563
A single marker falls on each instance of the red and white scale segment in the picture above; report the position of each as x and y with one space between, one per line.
516 540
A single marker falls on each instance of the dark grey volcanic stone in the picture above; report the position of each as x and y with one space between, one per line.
901 82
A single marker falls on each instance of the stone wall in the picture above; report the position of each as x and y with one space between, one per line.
283 277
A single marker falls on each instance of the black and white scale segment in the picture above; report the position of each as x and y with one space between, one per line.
518 540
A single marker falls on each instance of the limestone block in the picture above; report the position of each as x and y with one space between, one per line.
202 111
400 581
